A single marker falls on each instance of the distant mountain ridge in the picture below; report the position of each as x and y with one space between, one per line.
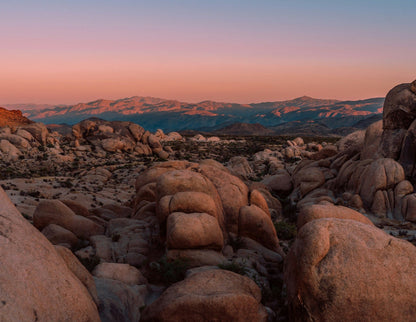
12 118
172 115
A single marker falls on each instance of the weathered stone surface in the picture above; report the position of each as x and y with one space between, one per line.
281 182
189 202
308 179
343 269
213 295
399 108
195 230
58 235
240 166
353 140
372 140
77 208
79 271
121 272
314 212
409 207
380 175
196 257
233 193
31 266
256 224
119 301
55 212
257 199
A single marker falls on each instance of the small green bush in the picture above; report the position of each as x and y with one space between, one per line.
170 271
89 262
285 230
235 267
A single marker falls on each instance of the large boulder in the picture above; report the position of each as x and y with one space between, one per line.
308 179
213 295
194 230
36 284
256 224
119 301
55 212
125 273
315 212
233 193
344 269
372 140
280 183
399 112
399 108
38 130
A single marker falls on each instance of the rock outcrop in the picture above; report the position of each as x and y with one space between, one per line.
36 284
346 269
213 295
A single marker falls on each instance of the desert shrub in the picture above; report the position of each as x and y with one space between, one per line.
89 262
170 271
235 242
235 267
285 230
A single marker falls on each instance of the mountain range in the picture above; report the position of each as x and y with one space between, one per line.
209 116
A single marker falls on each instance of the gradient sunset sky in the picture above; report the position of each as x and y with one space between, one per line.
240 51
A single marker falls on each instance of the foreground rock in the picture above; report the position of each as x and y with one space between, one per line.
36 284
343 269
213 295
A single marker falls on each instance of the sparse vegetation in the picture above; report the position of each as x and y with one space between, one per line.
235 267
170 271
285 230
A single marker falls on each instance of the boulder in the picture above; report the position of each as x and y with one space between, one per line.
58 235
256 224
399 108
353 140
77 208
121 272
189 202
112 145
379 175
195 230
233 193
372 140
196 257
31 266
314 212
212 295
344 269
79 270
38 130
308 179
119 301
257 199
280 183
240 166
9 150
16 140
55 212
409 207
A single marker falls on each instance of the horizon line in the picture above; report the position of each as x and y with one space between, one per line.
194 102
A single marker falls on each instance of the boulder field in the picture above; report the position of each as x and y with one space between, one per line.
300 230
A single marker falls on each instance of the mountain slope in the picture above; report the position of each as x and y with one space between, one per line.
172 115
12 118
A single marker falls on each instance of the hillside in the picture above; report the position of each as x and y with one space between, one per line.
12 118
172 115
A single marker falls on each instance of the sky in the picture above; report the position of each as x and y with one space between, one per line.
65 52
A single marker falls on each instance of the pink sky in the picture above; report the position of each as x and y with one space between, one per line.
68 58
